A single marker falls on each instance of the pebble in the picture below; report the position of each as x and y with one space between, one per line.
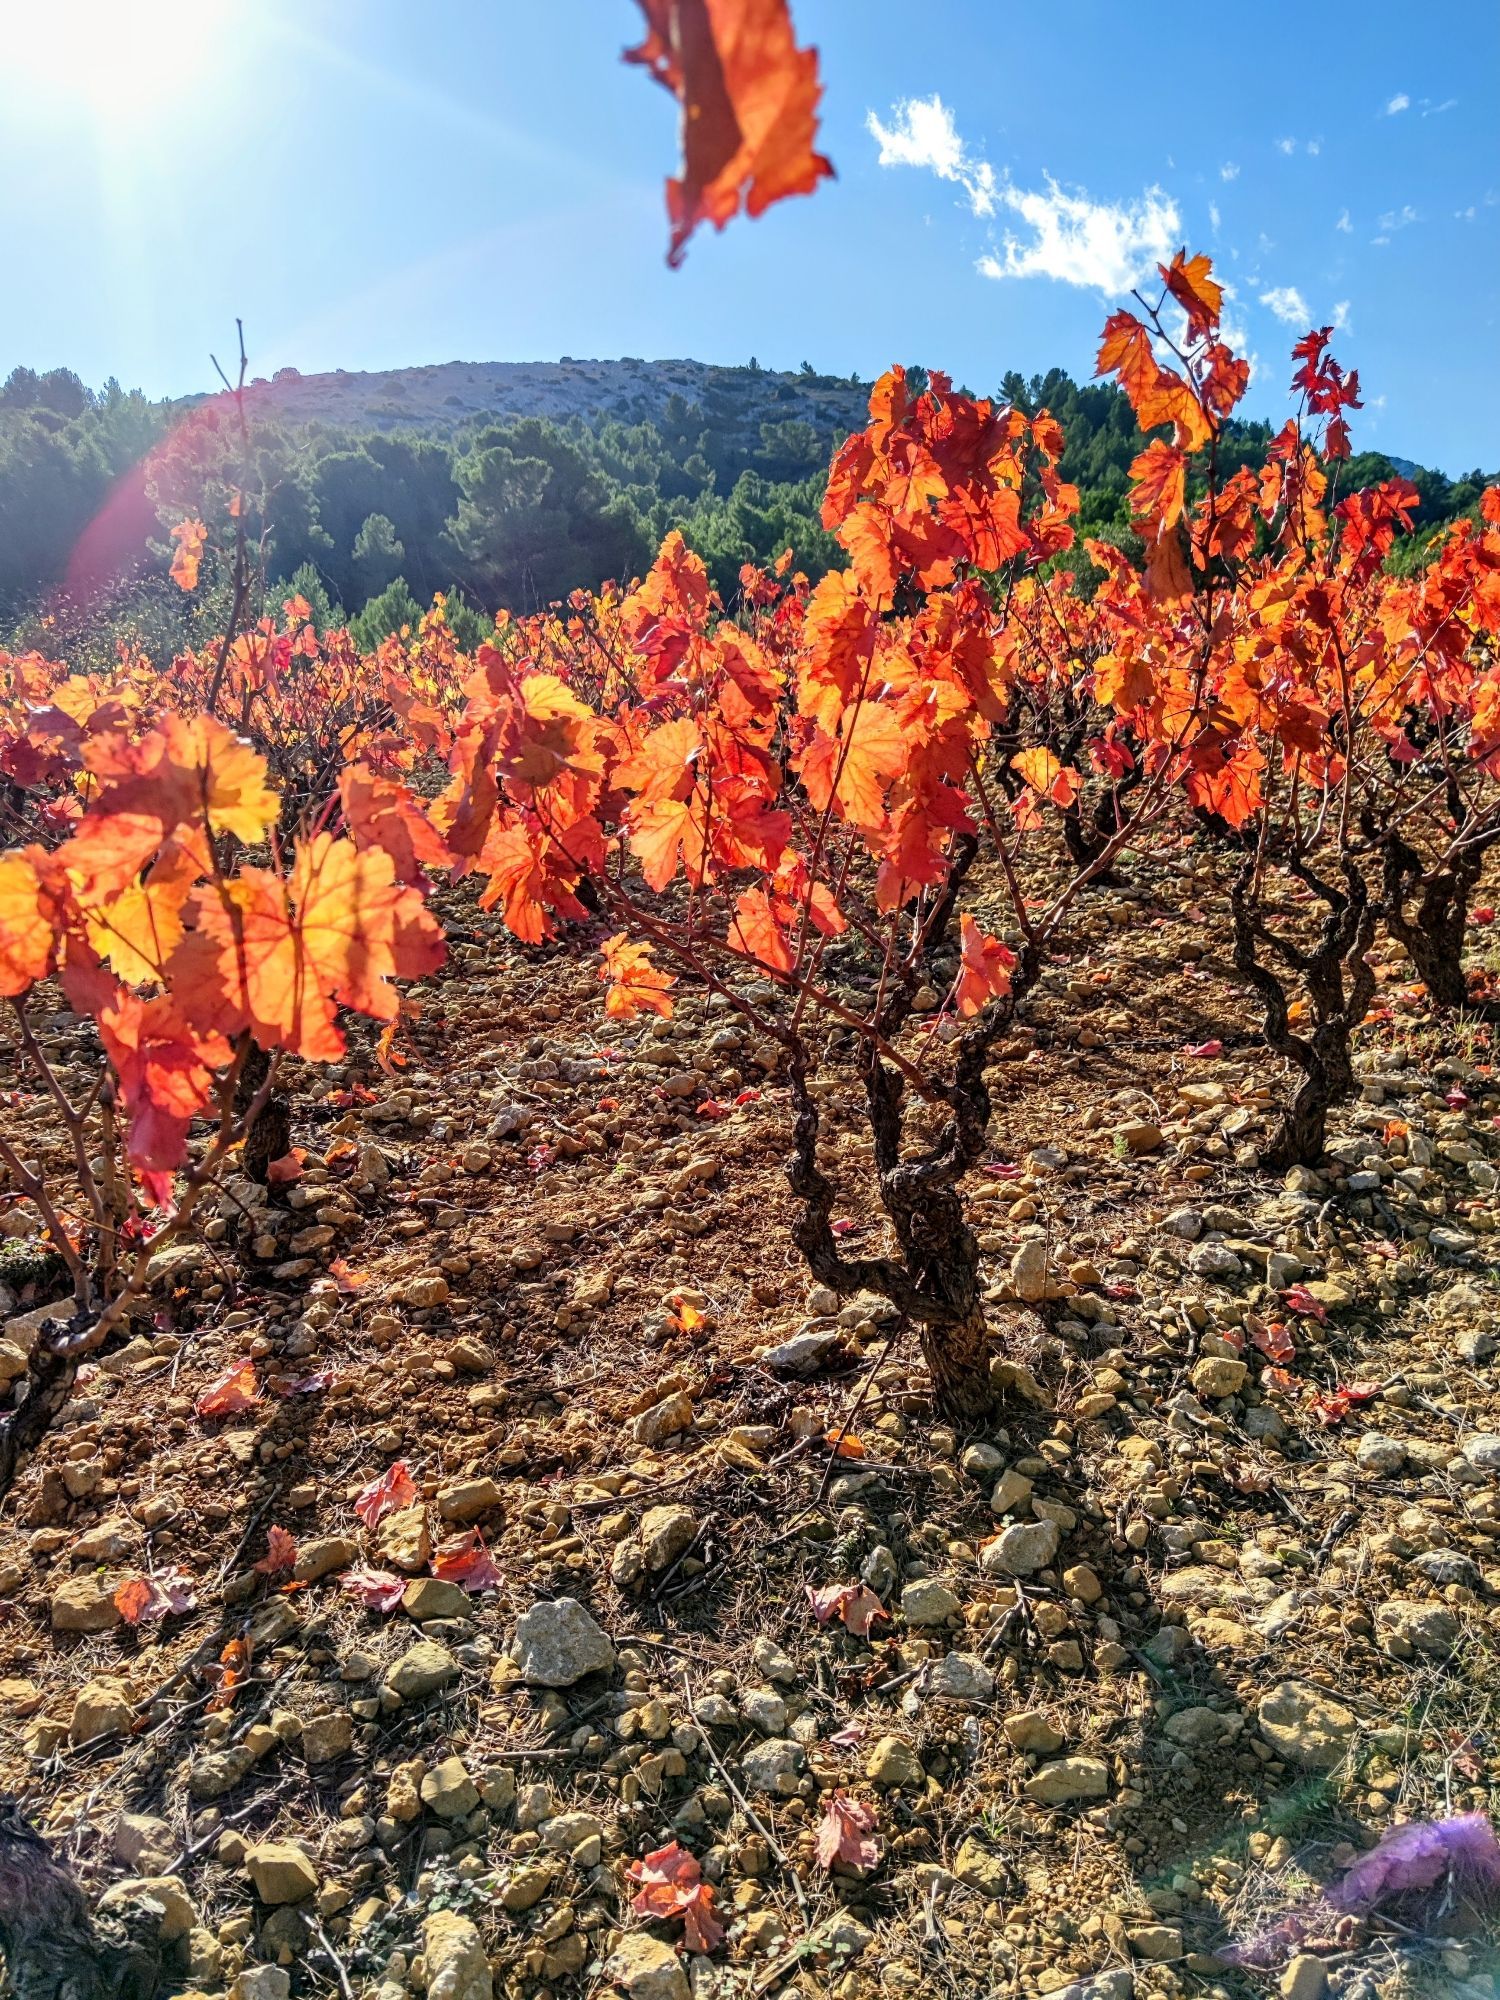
644 1968
928 1602
1217 1376
1305 1725
1021 1550
282 1871
558 1643
1067 1779
774 1766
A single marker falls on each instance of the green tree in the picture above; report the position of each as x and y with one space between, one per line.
536 519
377 555
307 583
385 614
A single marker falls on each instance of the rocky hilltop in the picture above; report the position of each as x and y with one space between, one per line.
445 395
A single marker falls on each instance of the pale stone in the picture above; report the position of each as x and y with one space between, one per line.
556 1643
282 1871
1067 1779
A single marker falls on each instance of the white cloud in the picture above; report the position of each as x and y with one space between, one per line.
1465 214
923 134
1341 316
1229 171
1213 214
1104 246
1437 110
1286 145
1400 102
1344 225
1288 304
1399 218
1315 146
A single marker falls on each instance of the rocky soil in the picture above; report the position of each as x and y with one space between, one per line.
687 1555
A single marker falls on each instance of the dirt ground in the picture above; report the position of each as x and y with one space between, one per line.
1187 1628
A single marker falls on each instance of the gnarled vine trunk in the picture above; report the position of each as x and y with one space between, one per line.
1433 934
935 1281
1339 983
52 1947
269 1136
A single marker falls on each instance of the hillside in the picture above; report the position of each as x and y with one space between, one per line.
510 483
442 397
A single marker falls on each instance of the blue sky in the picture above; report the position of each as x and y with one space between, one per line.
371 183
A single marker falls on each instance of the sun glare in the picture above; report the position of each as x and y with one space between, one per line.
115 60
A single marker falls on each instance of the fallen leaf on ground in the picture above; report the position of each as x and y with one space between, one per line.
280 1555
144 1600
376 1589
845 1834
855 1603
238 1388
464 1560
672 1886
393 1490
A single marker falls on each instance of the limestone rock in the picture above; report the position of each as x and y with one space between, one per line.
928 1602
1067 1779
1157 1942
261 1982
1033 1276
893 1762
1030 1729
1305 1977
525 1887
1305 1725
979 1868
167 1893
431 1597
962 1677
325 1737
144 1842
282 1871
1406 1628
86 1603
468 1499
643 1968
1201 1728
458 1967
405 1540
1217 1376
774 1766
557 1643
1021 1550
322 1556
663 1420
449 1790
665 1533
1138 1136
102 1707
421 1670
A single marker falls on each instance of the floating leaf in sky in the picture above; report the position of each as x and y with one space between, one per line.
749 100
